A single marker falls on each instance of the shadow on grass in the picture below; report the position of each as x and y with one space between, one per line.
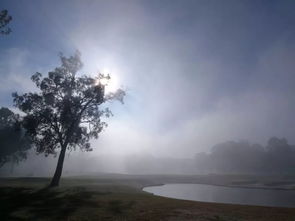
118 207
42 204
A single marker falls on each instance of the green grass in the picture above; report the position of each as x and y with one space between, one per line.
114 197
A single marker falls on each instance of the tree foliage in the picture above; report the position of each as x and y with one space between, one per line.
67 110
4 21
13 142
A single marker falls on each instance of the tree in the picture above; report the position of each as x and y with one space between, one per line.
4 20
66 112
13 142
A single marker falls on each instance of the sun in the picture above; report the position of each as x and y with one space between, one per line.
112 84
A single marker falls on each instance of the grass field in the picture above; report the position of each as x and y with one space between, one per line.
120 197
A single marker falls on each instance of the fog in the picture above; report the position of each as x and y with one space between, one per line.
196 74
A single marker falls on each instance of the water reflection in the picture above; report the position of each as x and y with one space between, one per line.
220 194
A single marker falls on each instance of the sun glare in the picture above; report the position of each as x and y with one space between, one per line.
112 84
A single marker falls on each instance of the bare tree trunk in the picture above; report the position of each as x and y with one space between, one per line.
58 170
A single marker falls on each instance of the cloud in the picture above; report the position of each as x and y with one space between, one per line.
196 73
14 69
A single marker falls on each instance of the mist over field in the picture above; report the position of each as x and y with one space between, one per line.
147 110
196 73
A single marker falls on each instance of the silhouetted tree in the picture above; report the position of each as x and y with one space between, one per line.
280 154
13 142
275 145
67 111
4 20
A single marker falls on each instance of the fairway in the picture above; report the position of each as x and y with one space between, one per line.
116 197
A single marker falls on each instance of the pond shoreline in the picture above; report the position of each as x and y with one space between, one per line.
235 195
224 185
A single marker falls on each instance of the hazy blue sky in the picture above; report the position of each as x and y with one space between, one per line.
196 72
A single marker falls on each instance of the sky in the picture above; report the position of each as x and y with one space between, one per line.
196 73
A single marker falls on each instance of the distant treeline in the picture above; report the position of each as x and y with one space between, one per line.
276 157
242 157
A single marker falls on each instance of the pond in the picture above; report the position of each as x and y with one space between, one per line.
221 194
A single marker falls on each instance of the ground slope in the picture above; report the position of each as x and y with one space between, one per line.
117 197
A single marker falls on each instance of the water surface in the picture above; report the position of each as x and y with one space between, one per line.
221 194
